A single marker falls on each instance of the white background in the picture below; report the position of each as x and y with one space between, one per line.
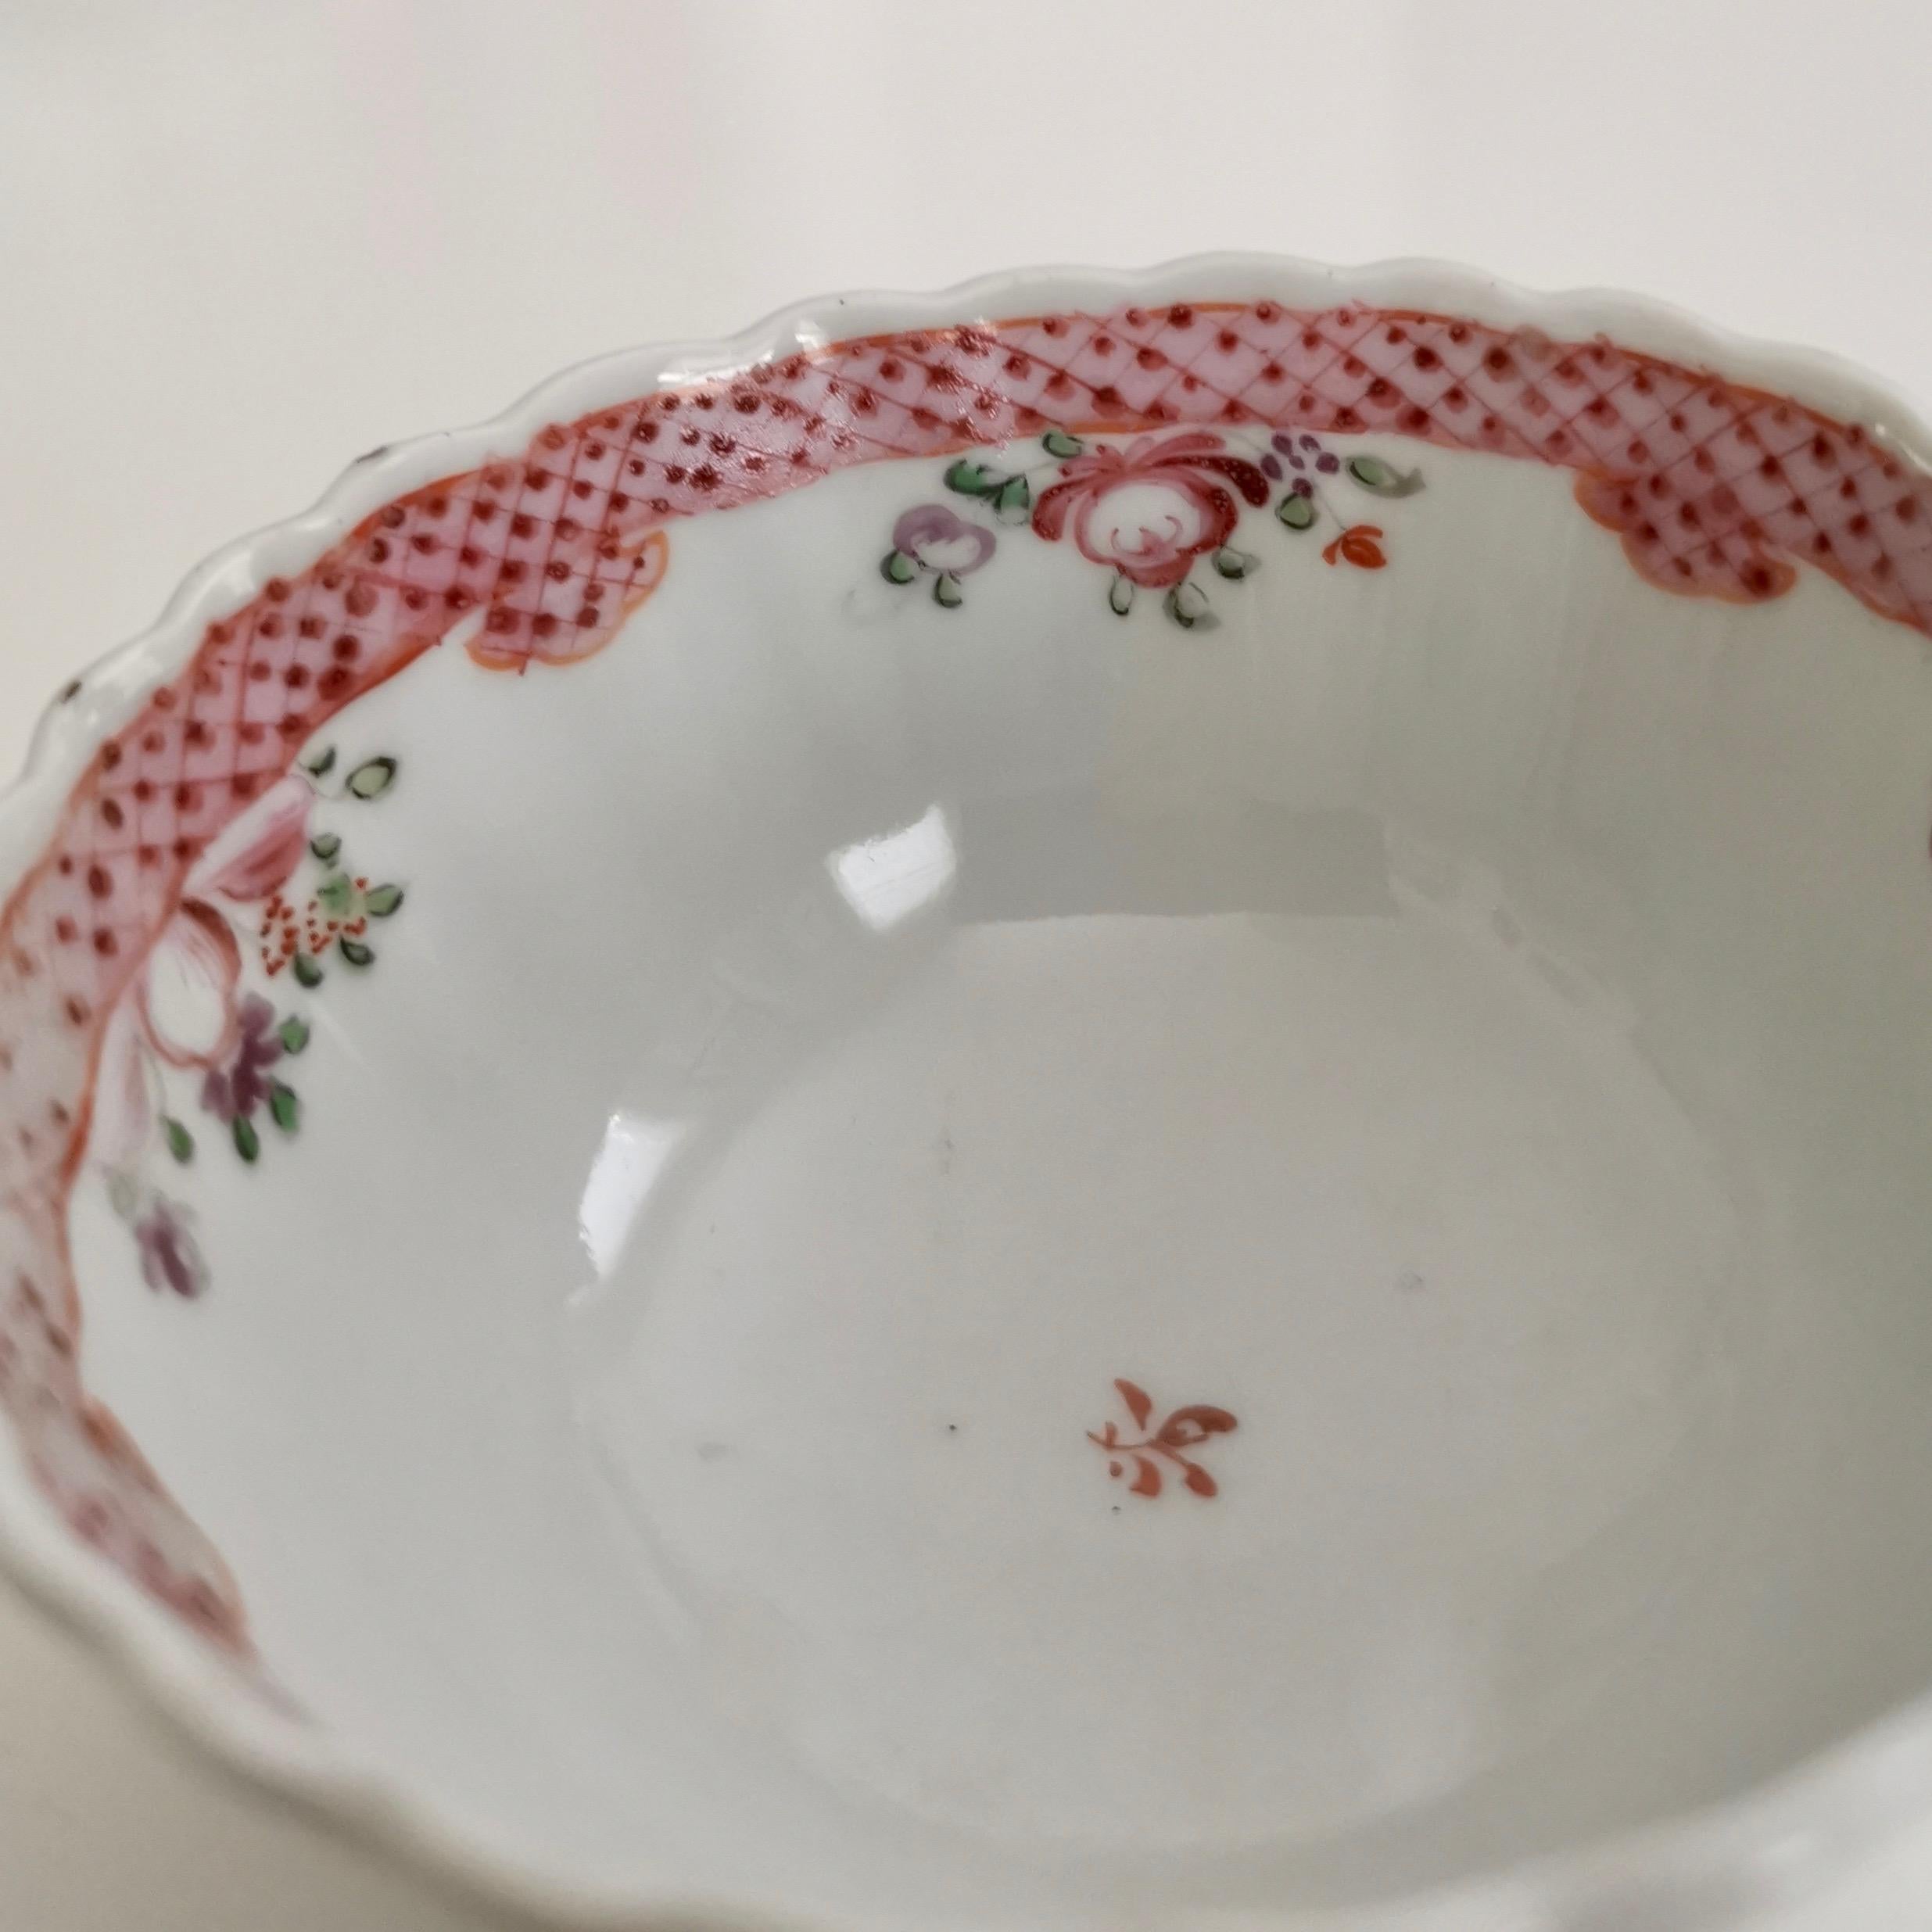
240 242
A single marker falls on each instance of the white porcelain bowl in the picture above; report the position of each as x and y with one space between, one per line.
1137 1141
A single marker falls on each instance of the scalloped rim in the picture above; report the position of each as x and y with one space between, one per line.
1712 1869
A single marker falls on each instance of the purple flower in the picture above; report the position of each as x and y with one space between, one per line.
1327 464
170 1258
235 1093
933 536
1271 466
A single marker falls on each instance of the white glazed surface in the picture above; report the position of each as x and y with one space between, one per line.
1460 1020
1481 899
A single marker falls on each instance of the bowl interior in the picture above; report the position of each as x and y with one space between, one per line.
1092 1178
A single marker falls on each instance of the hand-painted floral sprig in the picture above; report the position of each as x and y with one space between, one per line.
1182 1430
1300 509
185 1011
1151 509
339 913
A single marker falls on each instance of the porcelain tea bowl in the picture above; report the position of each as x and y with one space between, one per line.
1100 1103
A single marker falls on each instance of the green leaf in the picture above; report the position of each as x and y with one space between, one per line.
356 952
1120 596
1233 563
180 1143
248 1143
946 592
380 901
1297 512
293 1034
325 845
1057 442
308 969
321 767
336 895
1014 500
123 1196
372 778
896 567
971 479
284 1107
1186 603
1373 474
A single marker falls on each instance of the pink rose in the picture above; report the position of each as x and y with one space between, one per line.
184 995
181 1006
251 858
1151 509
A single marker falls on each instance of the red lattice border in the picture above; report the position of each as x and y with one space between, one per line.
1716 489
